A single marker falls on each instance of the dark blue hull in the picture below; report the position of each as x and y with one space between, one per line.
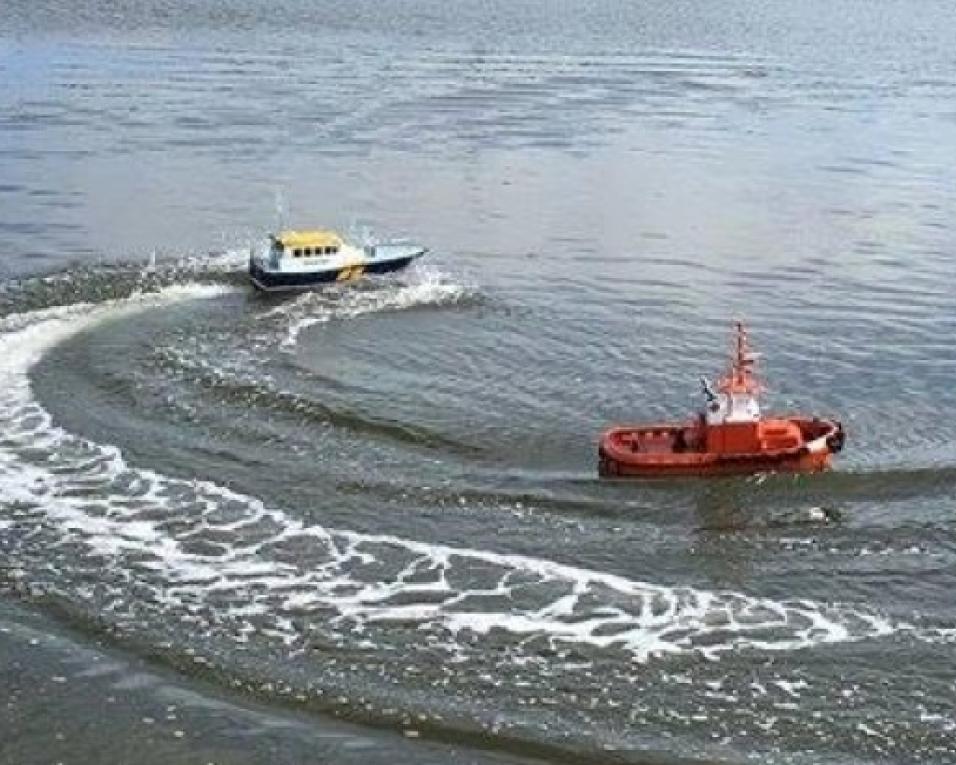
272 281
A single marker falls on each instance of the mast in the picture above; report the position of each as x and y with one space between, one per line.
280 211
741 378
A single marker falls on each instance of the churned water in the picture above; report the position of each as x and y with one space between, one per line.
364 524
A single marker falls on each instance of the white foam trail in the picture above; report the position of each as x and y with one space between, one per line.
431 287
227 261
260 567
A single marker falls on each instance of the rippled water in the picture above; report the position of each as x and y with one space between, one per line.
380 502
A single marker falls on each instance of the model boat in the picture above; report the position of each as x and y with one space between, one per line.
730 435
295 260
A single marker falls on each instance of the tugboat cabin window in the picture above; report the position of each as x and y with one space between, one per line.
297 253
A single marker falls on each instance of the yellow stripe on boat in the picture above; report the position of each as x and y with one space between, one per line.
350 272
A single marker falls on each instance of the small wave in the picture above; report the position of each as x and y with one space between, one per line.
199 552
105 282
239 386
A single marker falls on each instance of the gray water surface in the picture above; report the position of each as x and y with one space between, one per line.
374 510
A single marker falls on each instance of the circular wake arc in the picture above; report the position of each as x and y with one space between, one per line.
255 560
203 574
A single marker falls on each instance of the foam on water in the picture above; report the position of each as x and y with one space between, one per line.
429 287
258 566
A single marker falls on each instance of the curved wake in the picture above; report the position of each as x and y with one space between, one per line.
223 560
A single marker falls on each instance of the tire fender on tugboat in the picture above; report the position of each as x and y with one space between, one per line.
835 441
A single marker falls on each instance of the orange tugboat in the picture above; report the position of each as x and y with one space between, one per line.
729 436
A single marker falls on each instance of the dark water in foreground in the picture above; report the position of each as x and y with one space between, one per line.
364 524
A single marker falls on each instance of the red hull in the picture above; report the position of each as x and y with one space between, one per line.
673 450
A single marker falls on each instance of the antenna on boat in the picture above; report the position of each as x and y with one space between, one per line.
742 367
743 363
280 211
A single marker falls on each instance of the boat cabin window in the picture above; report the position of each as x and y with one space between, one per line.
306 252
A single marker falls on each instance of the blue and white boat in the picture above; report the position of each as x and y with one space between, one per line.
295 260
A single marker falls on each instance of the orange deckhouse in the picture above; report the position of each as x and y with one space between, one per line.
728 436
